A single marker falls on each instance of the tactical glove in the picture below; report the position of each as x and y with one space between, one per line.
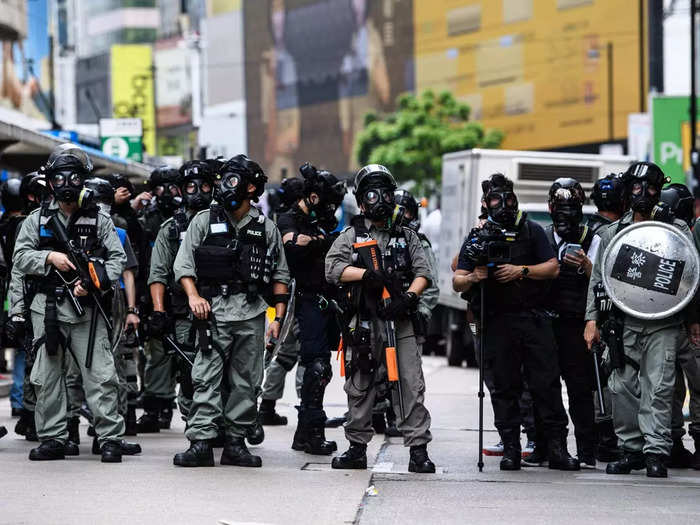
399 306
373 281
158 324
14 331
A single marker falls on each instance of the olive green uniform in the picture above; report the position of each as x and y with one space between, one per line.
237 337
162 366
361 389
100 380
641 399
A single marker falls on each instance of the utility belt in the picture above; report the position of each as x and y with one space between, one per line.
223 289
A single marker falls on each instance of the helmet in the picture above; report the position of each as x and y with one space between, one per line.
500 199
215 168
32 190
405 200
680 201
66 169
196 181
643 183
609 193
566 198
327 187
374 189
11 195
102 190
164 184
236 173
290 191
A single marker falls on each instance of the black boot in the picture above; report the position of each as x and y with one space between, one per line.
335 422
165 415
148 423
558 455
74 430
48 451
29 426
267 415
111 452
24 422
236 453
630 461
419 461
200 454
696 456
512 453
353 458
607 449
313 441
255 434
128 449
131 428
539 456
680 457
220 440
656 466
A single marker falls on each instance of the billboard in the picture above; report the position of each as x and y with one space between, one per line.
173 83
670 124
24 54
132 88
537 70
93 90
314 68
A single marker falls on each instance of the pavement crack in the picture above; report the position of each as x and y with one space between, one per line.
377 459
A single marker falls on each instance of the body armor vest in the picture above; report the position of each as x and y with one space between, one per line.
569 292
82 228
596 221
240 260
176 234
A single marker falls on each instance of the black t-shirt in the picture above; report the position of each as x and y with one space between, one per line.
542 249
306 263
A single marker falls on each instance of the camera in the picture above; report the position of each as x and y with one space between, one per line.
489 245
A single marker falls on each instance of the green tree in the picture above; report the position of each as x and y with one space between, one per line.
412 140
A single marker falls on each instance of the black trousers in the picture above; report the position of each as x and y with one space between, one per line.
520 348
576 364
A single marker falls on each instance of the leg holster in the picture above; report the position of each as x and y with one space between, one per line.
51 328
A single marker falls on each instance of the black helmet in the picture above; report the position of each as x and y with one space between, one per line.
639 178
290 191
374 188
32 190
11 195
163 175
196 181
66 169
500 199
609 193
566 198
117 180
101 189
236 173
680 201
164 184
404 199
330 192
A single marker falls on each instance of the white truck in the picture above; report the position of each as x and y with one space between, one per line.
532 173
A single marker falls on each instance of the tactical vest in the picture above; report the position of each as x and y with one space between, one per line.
231 262
520 295
569 292
82 228
176 234
396 258
597 221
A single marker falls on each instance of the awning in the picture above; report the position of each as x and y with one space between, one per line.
26 150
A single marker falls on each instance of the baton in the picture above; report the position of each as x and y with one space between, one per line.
177 349
599 387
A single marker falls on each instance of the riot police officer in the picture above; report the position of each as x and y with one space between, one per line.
236 256
575 246
518 331
193 184
642 383
58 327
306 243
170 315
608 195
385 271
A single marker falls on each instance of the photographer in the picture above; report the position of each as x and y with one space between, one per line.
512 259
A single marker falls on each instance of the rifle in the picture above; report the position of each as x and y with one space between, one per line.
92 276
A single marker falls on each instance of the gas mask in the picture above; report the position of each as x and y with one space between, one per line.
168 198
232 191
502 206
198 194
643 195
67 186
378 203
567 217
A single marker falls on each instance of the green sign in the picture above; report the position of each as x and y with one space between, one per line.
670 118
122 137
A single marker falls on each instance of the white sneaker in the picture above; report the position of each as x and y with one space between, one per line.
494 450
529 449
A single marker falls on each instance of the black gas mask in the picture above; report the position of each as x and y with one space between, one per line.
644 181
68 186
502 206
197 194
232 190
567 217
168 197
378 202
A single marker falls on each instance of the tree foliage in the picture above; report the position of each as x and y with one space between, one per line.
412 140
